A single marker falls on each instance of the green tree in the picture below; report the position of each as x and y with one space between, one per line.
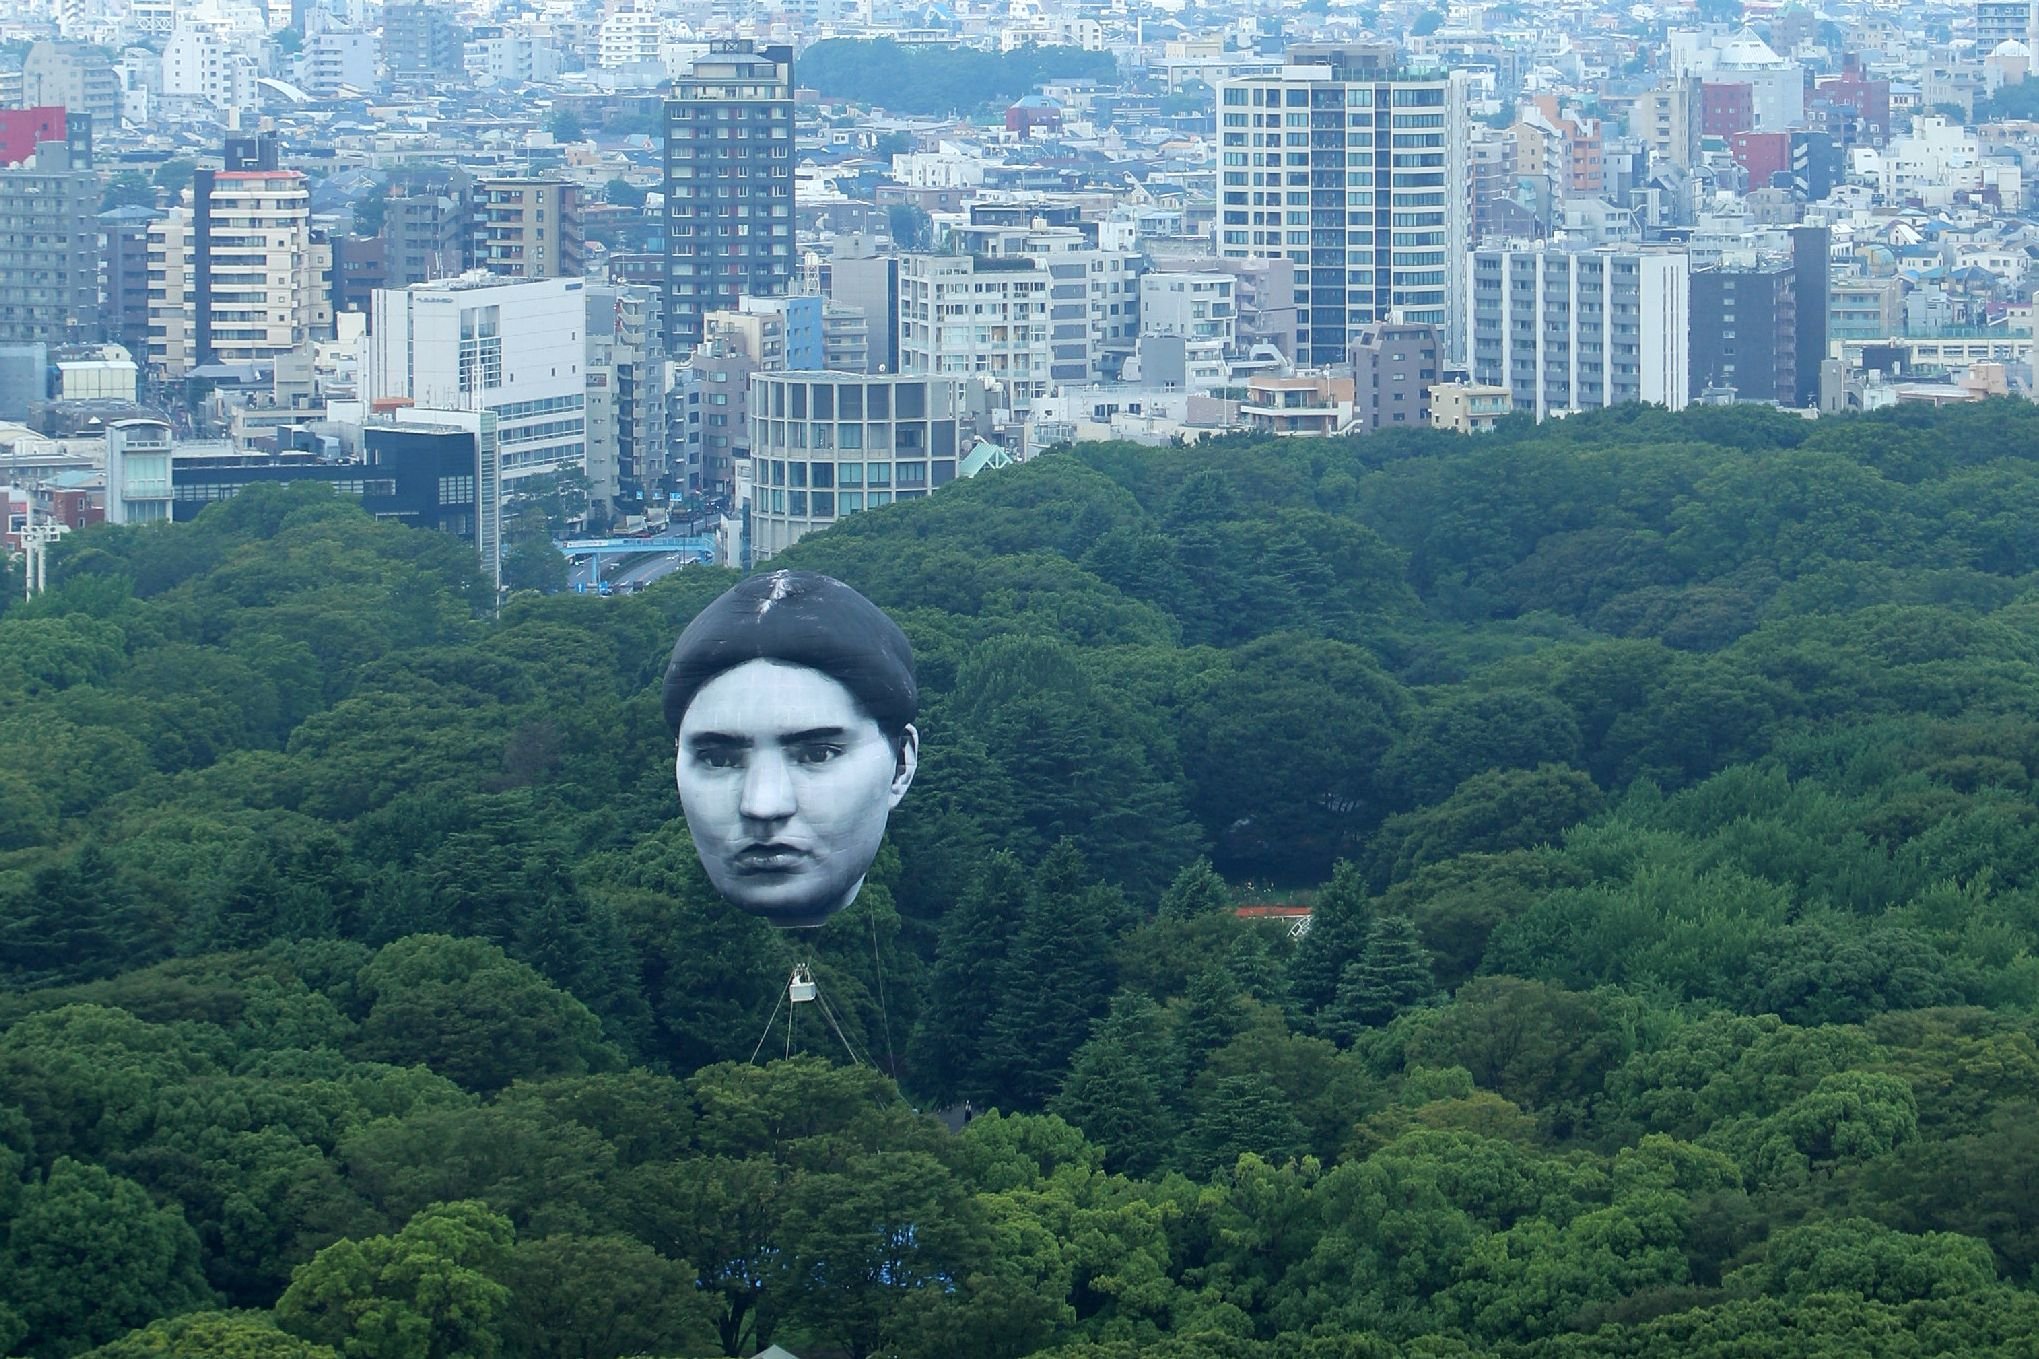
1868 1260
128 189
1391 975
970 983
1197 890
1339 922
1239 1114
530 561
599 1297
564 125
624 194
467 1010
724 1212
429 1292
1541 1046
1212 1016
1058 979
211 1335
865 1245
175 175
89 1256
909 226
1114 1096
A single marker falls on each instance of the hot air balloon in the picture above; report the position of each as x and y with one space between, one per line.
791 699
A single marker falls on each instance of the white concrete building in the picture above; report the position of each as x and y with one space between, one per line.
206 61
1776 85
256 290
1568 331
138 457
1198 310
336 59
629 37
511 54
1093 294
949 167
480 342
970 316
1927 165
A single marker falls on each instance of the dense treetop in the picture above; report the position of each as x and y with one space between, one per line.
924 79
1663 787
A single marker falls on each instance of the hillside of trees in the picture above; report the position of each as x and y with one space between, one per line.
1664 787
939 81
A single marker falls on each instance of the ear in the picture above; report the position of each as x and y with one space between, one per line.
909 761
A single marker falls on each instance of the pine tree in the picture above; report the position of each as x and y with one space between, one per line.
1241 1114
1337 939
968 983
1251 962
1394 975
1113 1097
1210 1019
74 922
1197 890
1058 979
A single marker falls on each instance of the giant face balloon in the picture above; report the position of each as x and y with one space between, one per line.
792 700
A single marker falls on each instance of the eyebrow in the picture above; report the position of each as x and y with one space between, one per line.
716 740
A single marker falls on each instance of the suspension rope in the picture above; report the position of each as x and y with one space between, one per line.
768 1026
884 1013
829 1014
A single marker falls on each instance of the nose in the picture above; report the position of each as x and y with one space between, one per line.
767 788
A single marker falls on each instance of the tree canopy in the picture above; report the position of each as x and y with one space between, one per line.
1659 788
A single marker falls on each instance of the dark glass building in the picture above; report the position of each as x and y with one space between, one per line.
421 476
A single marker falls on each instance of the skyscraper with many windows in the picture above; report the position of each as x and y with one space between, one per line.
728 184
1355 171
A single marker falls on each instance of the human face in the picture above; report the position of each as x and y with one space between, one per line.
786 784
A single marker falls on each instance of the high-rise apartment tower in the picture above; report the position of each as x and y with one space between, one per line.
1355 172
728 184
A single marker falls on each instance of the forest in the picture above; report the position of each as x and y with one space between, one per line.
934 81
1663 788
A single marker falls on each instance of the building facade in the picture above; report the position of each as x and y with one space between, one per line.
124 315
1572 330
825 445
973 316
422 42
1394 366
74 77
242 275
481 343
1358 178
23 130
626 411
49 242
527 228
428 220
728 184
1745 332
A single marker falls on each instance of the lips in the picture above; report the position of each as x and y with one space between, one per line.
768 858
